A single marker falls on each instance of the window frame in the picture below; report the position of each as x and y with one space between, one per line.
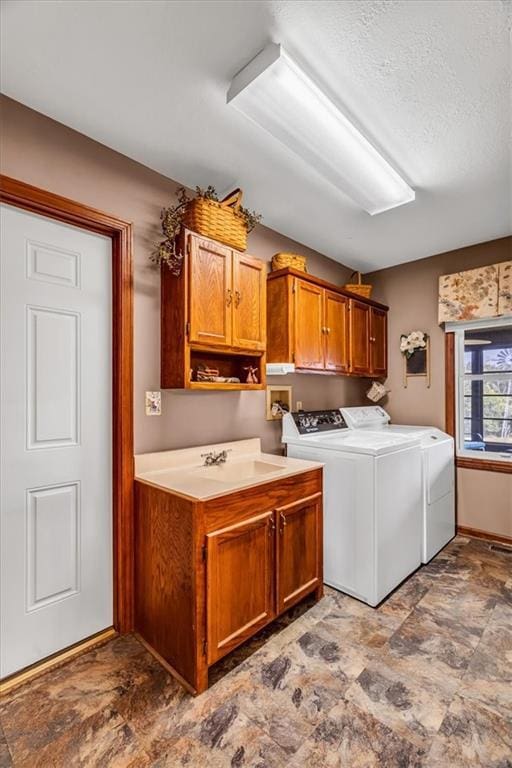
455 396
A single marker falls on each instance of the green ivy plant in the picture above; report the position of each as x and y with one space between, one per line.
172 217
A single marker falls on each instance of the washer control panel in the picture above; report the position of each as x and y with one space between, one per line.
309 422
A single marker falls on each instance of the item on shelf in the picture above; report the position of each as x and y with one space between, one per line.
279 407
376 392
362 289
294 260
226 221
204 373
252 374
279 401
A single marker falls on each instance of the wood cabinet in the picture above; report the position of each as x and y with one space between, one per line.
249 302
308 323
378 342
212 315
322 328
209 575
299 549
238 607
210 292
336 332
359 335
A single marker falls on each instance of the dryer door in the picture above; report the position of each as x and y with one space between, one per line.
439 470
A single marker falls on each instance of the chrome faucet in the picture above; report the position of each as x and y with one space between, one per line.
214 459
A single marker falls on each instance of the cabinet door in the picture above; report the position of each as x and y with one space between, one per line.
299 550
240 583
335 332
210 292
308 317
359 337
378 342
249 302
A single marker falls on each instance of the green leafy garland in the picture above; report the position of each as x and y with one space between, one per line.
172 217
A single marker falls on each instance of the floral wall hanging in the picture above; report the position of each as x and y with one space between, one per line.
476 293
415 348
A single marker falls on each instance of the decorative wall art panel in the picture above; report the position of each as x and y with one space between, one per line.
505 288
476 293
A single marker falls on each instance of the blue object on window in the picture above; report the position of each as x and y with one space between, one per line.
474 445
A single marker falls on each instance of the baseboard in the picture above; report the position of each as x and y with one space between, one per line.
27 674
476 533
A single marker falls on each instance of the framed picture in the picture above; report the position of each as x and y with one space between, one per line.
279 401
418 364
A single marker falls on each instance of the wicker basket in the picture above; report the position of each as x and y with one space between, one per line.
282 260
218 220
360 288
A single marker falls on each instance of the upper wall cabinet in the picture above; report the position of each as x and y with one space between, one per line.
322 328
213 318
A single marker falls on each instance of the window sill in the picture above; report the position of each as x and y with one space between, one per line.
489 465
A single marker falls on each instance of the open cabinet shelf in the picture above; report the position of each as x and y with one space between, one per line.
228 364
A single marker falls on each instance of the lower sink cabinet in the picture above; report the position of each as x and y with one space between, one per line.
209 575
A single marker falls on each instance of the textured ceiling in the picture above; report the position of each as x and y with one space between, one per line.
427 81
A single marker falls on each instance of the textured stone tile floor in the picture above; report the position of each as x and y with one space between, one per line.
424 680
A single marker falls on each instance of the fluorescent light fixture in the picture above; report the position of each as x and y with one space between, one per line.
274 92
476 342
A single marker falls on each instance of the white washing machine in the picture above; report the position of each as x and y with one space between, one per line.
372 501
438 473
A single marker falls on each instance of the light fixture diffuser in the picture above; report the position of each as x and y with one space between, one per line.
274 92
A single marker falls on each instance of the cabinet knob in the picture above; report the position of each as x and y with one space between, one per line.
282 518
229 297
238 298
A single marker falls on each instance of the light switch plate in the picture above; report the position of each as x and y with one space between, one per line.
299 405
154 403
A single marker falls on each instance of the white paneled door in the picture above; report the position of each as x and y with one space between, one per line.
56 437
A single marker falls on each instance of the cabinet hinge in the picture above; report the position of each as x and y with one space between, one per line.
293 357
188 245
203 553
294 285
187 328
205 647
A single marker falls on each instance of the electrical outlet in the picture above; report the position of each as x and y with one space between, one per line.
299 405
153 403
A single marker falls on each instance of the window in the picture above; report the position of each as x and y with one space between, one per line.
484 391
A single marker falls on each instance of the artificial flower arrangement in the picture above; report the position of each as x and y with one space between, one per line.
411 342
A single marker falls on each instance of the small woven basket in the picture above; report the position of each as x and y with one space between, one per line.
362 289
218 220
282 260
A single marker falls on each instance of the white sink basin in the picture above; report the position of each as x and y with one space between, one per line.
237 471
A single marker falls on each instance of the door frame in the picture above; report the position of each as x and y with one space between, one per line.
40 201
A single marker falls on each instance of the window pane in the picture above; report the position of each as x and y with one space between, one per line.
498 431
486 408
498 359
498 407
497 386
